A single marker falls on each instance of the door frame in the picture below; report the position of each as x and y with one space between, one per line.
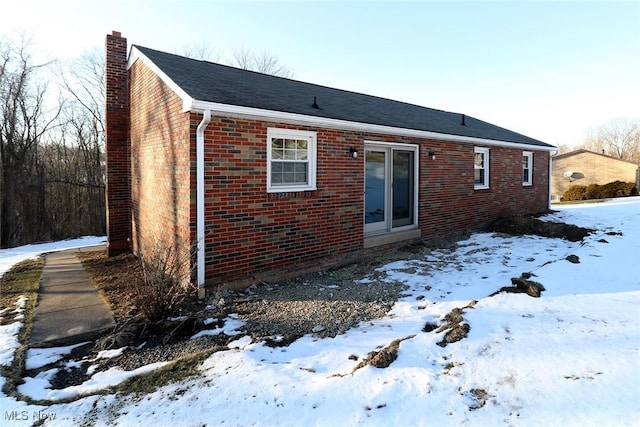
388 148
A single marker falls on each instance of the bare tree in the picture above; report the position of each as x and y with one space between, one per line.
247 59
51 172
593 143
203 51
76 173
83 80
564 148
619 138
24 122
263 62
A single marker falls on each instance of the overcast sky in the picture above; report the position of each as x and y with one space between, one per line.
550 70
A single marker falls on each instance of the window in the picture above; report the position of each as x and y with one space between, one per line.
527 168
481 168
291 160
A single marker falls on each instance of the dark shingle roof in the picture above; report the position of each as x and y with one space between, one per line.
206 81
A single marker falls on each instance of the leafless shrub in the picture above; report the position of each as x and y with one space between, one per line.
165 282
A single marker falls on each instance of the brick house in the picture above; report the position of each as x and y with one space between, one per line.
269 176
584 167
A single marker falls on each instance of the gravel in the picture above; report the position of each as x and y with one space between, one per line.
324 304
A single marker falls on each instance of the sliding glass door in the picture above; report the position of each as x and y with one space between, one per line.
390 187
376 213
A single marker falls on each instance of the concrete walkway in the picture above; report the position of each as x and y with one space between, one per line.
69 309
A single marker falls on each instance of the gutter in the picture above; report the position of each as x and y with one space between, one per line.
227 110
206 118
236 111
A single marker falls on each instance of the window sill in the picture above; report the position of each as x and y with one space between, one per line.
290 189
478 187
292 195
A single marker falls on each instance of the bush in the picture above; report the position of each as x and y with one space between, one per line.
165 283
575 192
618 189
595 191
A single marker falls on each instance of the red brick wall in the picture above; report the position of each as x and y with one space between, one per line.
160 166
250 232
448 203
118 189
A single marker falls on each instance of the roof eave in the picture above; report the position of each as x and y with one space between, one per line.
135 54
227 110
236 111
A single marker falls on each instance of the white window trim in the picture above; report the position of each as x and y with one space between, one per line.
529 156
484 151
312 152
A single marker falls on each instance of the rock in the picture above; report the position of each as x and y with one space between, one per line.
429 327
457 332
573 259
317 328
529 287
384 357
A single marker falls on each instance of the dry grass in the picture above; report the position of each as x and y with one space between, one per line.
115 278
177 371
23 279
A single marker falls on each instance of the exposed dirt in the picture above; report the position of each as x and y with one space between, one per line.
383 357
455 325
114 277
478 398
519 225
325 304
522 285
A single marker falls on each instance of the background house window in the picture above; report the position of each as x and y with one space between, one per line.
527 168
291 160
480 168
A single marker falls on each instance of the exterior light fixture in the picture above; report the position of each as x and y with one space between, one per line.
354 152
432 155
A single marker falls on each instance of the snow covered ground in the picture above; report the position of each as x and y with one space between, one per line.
9 257
571 357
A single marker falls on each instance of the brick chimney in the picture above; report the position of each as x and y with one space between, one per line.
118 163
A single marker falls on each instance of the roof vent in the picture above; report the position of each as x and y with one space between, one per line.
463 123
315 104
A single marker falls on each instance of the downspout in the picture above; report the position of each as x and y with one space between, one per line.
206 118
551 154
